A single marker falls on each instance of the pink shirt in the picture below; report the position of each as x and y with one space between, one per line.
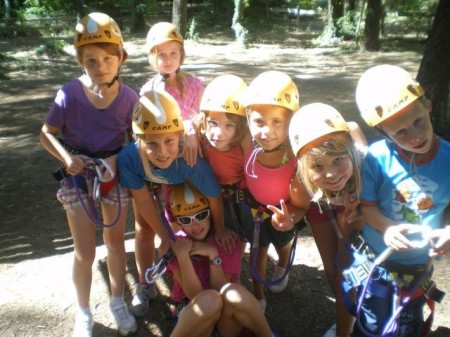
231 264
267 184
190 102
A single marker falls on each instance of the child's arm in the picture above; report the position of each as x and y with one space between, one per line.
186 275
146 206
394 232
357 134
224 236
191 143
292 212
440 241
217 276
73 163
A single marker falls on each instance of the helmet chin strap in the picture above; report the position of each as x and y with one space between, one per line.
96 88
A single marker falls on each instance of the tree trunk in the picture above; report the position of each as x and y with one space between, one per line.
179 15
79 9
138 24
372 25
8 8
240 32
434 71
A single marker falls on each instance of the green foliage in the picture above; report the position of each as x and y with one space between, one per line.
52 47
346 26
303 4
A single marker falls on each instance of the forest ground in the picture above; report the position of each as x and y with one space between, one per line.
36 291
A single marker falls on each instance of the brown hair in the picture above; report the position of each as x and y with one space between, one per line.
110 48
240 121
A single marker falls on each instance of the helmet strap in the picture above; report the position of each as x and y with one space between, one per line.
110 84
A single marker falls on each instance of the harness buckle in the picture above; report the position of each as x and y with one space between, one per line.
357 274
239 195
432 292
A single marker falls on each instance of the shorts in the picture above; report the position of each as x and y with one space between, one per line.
377 303
315 215
68 195
268 234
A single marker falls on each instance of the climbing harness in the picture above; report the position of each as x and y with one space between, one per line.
232 195
388 286
258 219
83 180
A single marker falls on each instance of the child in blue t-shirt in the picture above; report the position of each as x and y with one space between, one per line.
405 191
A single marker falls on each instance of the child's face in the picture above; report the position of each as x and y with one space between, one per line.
220 131
411 128
168 57
269 125
330 172
162 149
196 224
99 65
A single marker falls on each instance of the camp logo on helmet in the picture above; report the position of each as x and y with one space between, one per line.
396 106
162 128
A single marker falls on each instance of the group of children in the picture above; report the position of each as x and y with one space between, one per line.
213 168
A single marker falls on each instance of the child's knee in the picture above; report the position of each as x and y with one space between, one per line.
208 303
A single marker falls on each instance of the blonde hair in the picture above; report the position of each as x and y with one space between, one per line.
146 163
337 144
180 76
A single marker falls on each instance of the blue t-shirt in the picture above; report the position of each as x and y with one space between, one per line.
132 175
406 192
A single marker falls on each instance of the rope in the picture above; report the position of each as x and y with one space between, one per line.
257 220
93 214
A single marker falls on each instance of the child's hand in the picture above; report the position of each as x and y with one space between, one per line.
182 247
109 173
351 212
191 145
440 241
203 249
281 219
226 238
76 163
395 236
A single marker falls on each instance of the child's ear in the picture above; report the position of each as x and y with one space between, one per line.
384 134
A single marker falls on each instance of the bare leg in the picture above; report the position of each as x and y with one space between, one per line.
261 265
83 235
199 317
283 255
144 244
114 240
240 310
327 244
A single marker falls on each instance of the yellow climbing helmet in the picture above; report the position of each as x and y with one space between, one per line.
383 91
274 88
162 32
156 112
97 28
185 198
224 94
312 122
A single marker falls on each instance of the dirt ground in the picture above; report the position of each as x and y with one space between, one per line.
36 291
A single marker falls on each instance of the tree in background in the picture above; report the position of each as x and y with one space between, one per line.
371 38
240 32
434 71
179 15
